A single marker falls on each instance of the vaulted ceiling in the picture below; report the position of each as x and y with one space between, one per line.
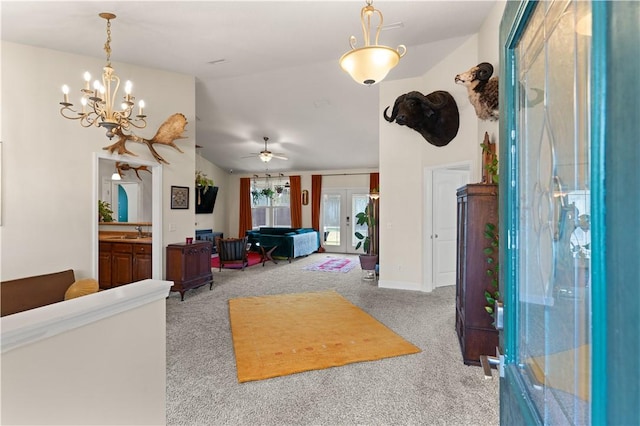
262 68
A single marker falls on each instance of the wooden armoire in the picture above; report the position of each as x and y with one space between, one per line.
477 206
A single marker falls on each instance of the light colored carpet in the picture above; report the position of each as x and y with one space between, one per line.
283 334
432 387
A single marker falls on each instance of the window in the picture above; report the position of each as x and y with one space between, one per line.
269 204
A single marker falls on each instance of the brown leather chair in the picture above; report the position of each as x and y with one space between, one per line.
232 250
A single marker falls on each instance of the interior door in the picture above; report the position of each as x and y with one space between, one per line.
547 293
445 183
337 222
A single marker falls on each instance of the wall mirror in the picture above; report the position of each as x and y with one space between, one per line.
130 197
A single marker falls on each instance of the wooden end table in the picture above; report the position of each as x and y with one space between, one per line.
266 253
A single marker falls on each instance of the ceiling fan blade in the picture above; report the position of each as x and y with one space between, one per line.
280 156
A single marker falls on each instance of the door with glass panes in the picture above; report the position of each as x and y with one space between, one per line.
547 291
337 221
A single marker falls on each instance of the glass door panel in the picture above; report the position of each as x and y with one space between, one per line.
339 208
553 339
331 221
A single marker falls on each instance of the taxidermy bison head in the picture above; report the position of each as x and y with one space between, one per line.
434 116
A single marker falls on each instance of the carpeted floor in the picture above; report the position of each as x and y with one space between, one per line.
283 334
432 387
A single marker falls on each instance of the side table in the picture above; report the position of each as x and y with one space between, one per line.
266 253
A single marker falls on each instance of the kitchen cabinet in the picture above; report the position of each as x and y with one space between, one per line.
121 263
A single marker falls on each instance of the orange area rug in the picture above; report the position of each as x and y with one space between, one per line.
290 333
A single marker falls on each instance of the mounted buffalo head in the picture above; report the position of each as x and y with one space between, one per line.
434 116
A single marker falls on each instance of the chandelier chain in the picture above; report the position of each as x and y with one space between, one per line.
107 45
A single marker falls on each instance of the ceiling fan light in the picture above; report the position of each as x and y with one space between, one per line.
265 157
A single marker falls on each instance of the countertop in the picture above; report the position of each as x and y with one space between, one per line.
124 237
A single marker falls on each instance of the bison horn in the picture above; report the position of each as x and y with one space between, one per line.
485 69
394 112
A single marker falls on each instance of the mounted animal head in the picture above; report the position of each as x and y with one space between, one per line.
435 116
482 90
481 72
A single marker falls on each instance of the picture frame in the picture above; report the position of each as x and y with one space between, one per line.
179 197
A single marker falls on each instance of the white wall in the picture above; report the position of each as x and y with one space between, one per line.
48 213
404 155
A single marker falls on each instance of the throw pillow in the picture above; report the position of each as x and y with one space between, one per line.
81 288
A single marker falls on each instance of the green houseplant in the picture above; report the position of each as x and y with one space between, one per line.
492 294
202 181
105 214
368 242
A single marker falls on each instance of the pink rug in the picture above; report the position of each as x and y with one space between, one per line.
332 264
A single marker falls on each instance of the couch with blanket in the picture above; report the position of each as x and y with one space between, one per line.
290 242
33 292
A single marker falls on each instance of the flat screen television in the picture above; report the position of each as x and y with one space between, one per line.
205 201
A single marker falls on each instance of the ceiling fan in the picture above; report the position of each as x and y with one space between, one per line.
265 155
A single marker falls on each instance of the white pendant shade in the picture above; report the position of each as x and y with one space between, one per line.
369 65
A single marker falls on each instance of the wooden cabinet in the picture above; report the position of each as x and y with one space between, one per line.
123 263
477 206
141 262
189 265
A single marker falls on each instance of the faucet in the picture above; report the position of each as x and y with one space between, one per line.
139 229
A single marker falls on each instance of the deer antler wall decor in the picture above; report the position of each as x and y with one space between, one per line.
123 167
169 131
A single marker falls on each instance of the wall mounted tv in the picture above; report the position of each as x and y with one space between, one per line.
206 200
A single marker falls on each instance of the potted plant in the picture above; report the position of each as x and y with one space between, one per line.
203 182
105 214
369 259
268 192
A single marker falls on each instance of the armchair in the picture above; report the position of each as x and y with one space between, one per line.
232 250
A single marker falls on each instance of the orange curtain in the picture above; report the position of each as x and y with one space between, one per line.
316 193
316 196
374 186
374 182
296 201
245 222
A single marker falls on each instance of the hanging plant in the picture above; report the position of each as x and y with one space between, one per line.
255 195
268 192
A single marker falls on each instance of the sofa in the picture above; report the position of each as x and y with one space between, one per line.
290 242
33 292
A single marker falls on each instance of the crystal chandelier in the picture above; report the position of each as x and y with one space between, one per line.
370 64
98 102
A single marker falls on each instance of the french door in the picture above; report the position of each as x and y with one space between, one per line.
337 221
